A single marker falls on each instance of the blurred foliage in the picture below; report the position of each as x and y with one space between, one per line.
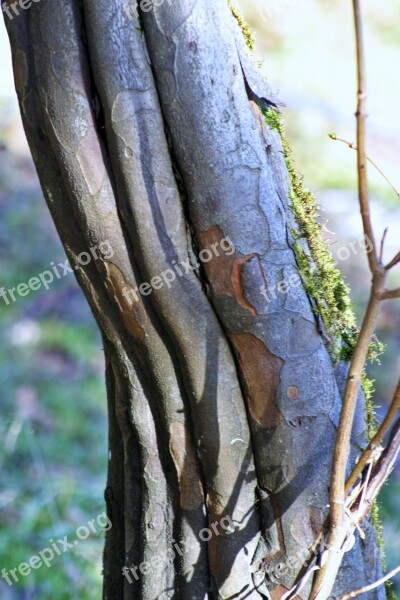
53 448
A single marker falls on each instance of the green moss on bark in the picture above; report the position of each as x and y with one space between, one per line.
322 279
324 283
244 26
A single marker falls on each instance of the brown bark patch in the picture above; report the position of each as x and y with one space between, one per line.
214 505
132 311
20 70
257 115
292 392
190 487
219 268
274 525
316 520
279 591
236 279
261 371
224 271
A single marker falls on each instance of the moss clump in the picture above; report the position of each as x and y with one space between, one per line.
244 26
321 278
368 389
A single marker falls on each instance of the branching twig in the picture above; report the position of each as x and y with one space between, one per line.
340 523
353 146
383 244
356 508
372 586
361 153
389 294
393 262
368 454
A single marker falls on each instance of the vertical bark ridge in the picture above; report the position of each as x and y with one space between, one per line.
105 312
134 416
154 219
232 191
114 551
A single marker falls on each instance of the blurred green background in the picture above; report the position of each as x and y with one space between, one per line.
53 440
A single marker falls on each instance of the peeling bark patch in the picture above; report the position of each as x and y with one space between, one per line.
261 371
279 591
20 70
214 505
224 271
257 115
219 269
236 279
191 490
292 392
132 313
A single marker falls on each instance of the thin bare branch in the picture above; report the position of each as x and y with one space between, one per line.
354 146
372 586
326 576
383 244
393 262
361 138
382 470
389 294
368 454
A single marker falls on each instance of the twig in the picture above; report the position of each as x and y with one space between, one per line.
389 294
361 153
342 445
383 244
383 467
327 574
372 586
367 455
393 262
353 146
356 508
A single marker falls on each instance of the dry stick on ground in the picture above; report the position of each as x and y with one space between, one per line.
327 574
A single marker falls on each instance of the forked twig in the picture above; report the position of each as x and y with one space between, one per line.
353 146
342 525
372 586
383 244
374 444
357 507
389 294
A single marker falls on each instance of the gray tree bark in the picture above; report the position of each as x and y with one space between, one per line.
146 131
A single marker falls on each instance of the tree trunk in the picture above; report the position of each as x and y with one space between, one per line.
148 135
